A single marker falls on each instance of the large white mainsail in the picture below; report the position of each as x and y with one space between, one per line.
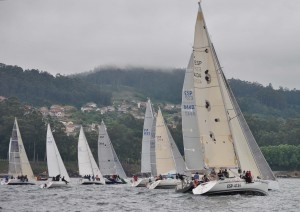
148 149
193 150
86 162
109 163
18 161
54 161
168 158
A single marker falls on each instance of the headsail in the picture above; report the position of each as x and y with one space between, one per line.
168 158
86 162
109 163
54 161
18 161
147 148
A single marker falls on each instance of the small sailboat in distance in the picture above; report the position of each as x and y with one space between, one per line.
58 175
109 163
169 161
148 168
19 170
88 168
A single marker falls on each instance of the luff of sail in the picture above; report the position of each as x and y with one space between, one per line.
215 134
164 147
147 140
109 163
86 162
54 161
193 150
18 161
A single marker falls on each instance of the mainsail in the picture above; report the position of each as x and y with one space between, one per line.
148 150
18 161
193 150
54 161
168 158
109 163
86 162
215 133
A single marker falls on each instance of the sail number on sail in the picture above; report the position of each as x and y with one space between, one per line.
147 132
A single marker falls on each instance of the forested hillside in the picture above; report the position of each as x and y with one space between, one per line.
41 88
273 115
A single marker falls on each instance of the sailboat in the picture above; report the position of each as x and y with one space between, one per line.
58 175
109 163
88 168
148 168
169 161
215 133
19 169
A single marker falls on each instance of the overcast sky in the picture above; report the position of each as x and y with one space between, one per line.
255 40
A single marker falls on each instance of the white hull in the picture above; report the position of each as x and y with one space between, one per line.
17 182
164 184
231 186
142 182
54 184
83 181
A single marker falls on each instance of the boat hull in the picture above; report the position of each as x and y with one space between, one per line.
17 182
142 182
232 186
164 184
185 186
54 184
89 182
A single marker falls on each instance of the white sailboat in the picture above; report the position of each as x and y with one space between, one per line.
109 163
169 161
58 175
216 135
19 170
88 168
148 168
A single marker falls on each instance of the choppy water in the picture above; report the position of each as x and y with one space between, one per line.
126 198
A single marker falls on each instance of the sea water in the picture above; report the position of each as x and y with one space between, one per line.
126 198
